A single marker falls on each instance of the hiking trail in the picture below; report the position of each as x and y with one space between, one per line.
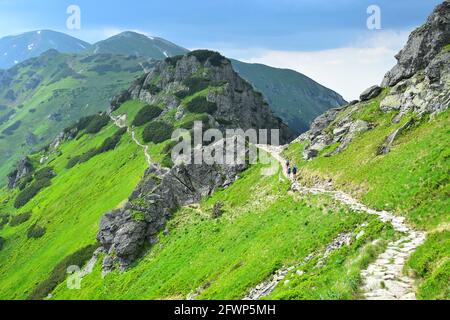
121 122
383 279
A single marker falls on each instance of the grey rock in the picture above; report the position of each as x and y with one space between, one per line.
386 147
31 139
23 168
423 45
124 232
371 93
238 104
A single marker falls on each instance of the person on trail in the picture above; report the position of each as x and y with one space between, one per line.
294 171
289 170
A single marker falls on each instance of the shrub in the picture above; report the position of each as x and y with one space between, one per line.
215 58
157 132
45 173
146 114
20 218
201 105
97 123
59 272
2 242
173 60
153 89
10 130
35 232
108 144
29 192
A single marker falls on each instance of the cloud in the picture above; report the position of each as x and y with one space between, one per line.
348 70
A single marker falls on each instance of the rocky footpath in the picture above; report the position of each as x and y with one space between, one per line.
419 85
124 233
384 278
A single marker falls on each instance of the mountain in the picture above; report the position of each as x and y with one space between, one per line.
294 97
15 49
366 217
132 43
43 95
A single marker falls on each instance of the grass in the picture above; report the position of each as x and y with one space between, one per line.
431 264
416 170
69 210
259 231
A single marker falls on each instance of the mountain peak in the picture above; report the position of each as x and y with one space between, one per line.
141 45
423 45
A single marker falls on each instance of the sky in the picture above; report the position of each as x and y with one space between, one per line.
326 40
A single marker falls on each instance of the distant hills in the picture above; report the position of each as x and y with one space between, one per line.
132 43
15 49
54 79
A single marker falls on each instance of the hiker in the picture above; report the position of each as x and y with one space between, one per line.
294 171
289 170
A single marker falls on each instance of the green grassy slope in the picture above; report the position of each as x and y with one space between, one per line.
69 210
53 91
261 230
412 180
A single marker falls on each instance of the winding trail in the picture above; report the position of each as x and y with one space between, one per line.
384 278
121 122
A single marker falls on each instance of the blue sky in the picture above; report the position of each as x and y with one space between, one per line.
251 30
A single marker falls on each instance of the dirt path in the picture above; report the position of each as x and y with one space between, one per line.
121 122
384 278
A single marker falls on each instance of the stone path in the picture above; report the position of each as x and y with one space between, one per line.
121 122
384 278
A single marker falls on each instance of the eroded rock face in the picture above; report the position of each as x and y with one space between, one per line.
125 232
238 104
419 84
23 168
423 45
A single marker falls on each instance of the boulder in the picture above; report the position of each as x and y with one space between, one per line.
371 93
23 168
423 45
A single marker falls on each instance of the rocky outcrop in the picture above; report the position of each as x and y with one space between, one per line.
23 168
125 232
419 84
386 147
238 104
423 45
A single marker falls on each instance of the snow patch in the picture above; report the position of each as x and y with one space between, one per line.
31 46
165 53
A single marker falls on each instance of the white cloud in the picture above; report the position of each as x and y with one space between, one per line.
348 70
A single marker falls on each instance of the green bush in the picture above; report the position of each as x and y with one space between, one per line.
29 192
45 173
59 272
196 84
146 114
201 105
35 232
215 58
2 242
4 219
20 218
157 132
173 60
